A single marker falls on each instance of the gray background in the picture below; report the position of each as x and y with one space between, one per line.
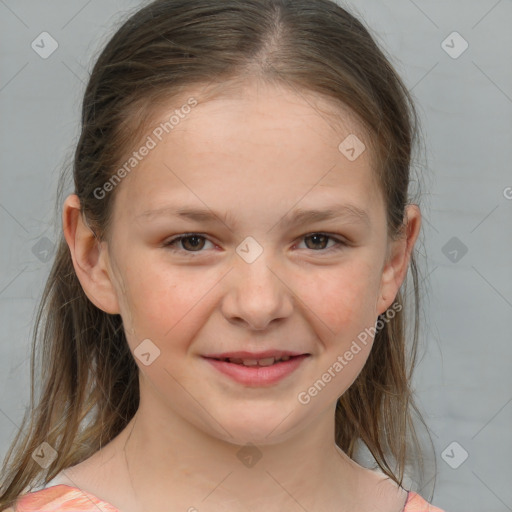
463 380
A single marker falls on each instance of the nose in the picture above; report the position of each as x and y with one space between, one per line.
256 294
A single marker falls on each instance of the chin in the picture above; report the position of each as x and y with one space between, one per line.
258 429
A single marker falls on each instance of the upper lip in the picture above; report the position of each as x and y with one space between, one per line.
254 355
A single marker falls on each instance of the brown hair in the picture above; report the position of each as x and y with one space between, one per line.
89 380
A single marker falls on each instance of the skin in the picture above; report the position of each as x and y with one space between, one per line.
259 155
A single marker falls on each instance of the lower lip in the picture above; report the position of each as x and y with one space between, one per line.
258 375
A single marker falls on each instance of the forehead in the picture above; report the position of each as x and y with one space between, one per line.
245 137
275 107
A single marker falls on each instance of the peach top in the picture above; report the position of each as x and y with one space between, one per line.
64 498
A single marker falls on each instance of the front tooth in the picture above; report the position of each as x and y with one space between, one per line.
267 362
250 362
285 358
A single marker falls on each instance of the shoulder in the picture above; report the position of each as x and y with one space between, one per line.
61 498
415 503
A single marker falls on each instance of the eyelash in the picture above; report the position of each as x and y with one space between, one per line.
340 244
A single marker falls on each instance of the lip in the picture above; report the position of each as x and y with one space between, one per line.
254 355
257 376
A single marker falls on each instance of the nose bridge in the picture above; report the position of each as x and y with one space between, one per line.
256 293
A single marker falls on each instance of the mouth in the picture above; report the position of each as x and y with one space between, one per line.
255 370
267 361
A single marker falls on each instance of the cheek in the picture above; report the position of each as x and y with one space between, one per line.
342 298
160 303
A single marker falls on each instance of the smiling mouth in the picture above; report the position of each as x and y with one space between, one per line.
268 361
263 371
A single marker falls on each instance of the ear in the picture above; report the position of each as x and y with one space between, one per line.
90 258
399 255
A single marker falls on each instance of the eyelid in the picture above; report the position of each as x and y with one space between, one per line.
341 242
337 238
177 238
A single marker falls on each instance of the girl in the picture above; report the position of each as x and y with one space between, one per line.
223 323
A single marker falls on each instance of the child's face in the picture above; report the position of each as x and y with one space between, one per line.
254 158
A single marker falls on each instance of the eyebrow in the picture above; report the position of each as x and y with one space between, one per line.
299 216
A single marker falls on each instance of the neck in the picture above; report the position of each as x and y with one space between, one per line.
172 462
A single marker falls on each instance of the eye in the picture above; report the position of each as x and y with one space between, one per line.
191 242
319 241
194 242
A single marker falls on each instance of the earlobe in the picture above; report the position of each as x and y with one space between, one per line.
395 269
89 257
